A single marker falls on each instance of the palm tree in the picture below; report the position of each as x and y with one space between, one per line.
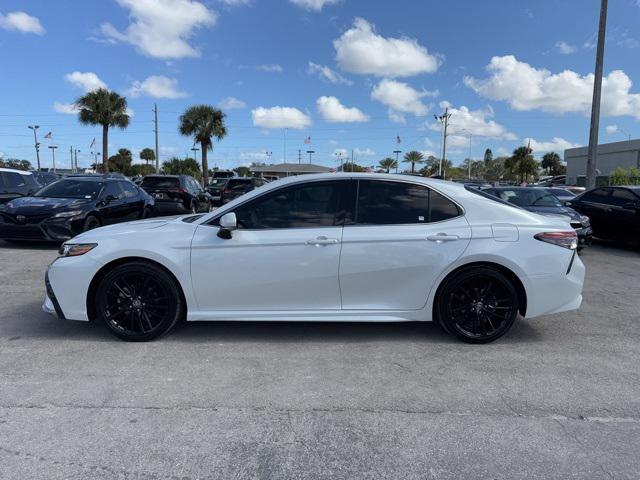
148 155
550 162
105 108
387 164
203 122
413 157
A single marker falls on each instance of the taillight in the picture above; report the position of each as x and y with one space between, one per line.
562 239
177 190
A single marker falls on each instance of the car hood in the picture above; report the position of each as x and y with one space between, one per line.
44 205
561 212
126 228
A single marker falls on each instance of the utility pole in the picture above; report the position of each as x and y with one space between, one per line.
299 156
35 140
155 131
592 153
53 154
397 152
285 145
444 119
76 158
310 152
71 155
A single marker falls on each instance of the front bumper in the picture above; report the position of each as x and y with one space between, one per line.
49 230
51 305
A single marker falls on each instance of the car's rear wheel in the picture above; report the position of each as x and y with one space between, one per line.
147 212
477 304
90 223
138 301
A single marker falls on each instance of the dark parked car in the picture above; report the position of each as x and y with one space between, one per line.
215 188
236 187
46 178
540 200
70 206
614 212
561 194
177 194
16 183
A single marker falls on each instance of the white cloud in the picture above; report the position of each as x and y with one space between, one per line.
253 156
162 28
611 129
556 144
327 74
478 123
21 22
400 98
280 117
313 5
157 86
565 48
86 81
527 88
68 108
333 111
270 68
366 152
235 3
231 103
361 50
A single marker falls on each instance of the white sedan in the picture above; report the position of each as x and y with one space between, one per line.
331 247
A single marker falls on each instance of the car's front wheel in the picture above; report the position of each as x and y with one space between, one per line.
138 301
477 304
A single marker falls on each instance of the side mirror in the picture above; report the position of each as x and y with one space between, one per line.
228 223
108 199
568 203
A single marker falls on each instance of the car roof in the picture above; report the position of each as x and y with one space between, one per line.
14 170
157 175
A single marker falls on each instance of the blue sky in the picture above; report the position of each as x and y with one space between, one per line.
351 74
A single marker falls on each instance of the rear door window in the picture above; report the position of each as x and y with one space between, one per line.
599 195
620 196
160 182
129 189
14 180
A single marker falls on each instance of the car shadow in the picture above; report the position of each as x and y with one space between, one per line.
30 321
29 245
614 248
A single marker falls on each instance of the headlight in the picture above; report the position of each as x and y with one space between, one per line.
585 220
70 213
75 249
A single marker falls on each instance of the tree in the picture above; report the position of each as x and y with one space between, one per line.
413 157
121 162
179 166
431 166
203 122
242 171
550 161
527 167
477 168
494 170
148 155
141 169
16 164
387 164
107 109
488 156
352 167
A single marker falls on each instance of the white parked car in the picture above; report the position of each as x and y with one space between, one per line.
330 247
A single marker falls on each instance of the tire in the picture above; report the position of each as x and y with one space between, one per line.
91 222
147 213
477 304
138 302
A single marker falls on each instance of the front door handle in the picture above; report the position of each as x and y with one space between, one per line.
442 237
322 240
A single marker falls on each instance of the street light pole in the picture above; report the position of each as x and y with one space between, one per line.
397 152
195 151
76 158
592 153
53 155
310 152
37 145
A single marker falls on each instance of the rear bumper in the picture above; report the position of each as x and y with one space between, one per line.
171 207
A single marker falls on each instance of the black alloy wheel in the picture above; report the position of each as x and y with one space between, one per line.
138 301
477 305
90 223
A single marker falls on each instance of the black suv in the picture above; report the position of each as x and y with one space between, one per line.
614 212
236 187
16 183
73 205
177 194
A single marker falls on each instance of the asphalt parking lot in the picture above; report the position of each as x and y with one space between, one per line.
558 397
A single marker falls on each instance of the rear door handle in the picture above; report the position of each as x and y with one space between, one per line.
442 237
322 240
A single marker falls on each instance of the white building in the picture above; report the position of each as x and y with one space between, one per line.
610 156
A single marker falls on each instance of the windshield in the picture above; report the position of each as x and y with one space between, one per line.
71 189
528 197
160 182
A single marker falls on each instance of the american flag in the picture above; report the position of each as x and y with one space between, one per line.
307 140
398 141
48 135
93 143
